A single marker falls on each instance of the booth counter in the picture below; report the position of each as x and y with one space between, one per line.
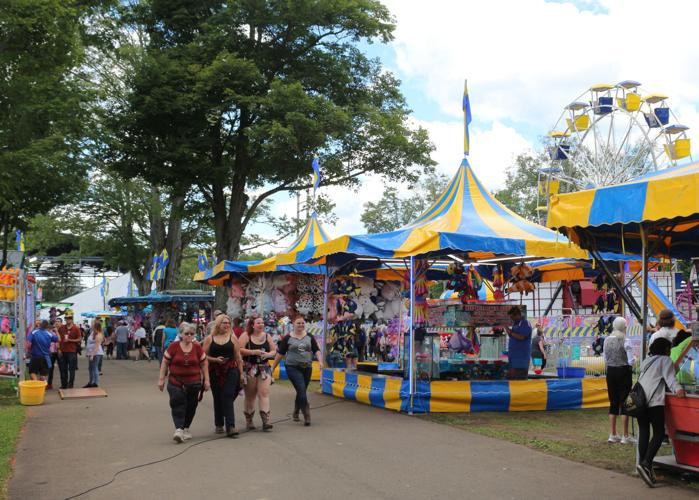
443 396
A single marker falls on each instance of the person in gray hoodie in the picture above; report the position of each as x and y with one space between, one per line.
657 374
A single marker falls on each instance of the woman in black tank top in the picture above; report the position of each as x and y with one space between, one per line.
225 373
257 348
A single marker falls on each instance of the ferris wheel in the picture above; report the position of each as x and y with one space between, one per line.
611 134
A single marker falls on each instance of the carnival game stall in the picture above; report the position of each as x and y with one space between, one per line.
464 229
17 312
274 292
658 215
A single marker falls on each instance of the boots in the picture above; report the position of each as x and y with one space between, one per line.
306 415
295 415
248 420
266 426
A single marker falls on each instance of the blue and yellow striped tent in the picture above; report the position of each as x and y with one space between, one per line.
312 234
610 218
466 219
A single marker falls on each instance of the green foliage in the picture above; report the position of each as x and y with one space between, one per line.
521 186
12 416
232 97
393 211
43 108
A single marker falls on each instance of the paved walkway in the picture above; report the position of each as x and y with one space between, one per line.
351 450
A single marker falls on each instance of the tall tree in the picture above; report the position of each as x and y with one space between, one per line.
43 108
520 193
235 98
393 211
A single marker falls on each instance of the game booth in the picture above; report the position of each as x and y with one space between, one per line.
655 215
478 248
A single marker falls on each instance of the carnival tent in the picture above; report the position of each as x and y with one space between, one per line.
312 234
665 203
657 213
465 219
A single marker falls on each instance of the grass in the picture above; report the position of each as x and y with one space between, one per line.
11 421
578 435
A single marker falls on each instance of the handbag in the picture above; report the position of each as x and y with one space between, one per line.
636 402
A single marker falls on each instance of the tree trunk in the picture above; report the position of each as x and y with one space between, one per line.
173 241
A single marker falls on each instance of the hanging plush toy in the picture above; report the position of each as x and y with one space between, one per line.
520 276
498 283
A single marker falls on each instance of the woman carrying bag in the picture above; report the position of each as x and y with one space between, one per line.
657 374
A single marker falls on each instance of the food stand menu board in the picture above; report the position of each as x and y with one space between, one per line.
456 314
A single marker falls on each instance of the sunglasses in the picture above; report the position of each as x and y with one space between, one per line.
225 322
188 333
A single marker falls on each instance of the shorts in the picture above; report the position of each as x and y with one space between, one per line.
38 366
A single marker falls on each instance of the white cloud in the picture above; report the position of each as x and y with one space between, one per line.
525 60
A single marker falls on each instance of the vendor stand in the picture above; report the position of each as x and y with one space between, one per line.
465 225
658 215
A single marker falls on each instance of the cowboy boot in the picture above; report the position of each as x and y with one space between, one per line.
306 415
248 420
295 415
266 426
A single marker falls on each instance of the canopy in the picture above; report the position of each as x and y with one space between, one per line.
609 218
104 314
161 297
466 218
312 234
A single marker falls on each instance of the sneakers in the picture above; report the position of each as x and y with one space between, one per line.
646 474
628 440
186 435
613 438
178 437
219 429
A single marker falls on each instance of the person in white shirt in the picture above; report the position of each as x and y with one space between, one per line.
666 324
141 344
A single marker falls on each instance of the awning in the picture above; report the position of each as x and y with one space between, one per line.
160 298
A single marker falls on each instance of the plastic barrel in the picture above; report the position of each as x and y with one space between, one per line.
31 392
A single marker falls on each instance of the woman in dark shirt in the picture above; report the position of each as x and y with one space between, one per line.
225 372
257 348
184 363
299 348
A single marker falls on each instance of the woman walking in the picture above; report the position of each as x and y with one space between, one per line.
95 353
657 373
169 333
299 349
618 358
257 348
184 363
225 372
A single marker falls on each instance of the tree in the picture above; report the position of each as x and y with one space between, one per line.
392 212
43 109
521 186
235 98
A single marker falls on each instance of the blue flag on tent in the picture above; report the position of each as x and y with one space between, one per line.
164 261
316 175
467 119
153 269
20 240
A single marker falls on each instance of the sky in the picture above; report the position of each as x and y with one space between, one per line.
524 61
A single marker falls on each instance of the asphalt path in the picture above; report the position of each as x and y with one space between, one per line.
75 447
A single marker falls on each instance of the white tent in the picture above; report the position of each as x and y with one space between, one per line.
92 299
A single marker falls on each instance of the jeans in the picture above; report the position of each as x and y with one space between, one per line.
67 364
54 362
95 363
618 387
122 352
648 448
158 353
224 395
183 403
299 377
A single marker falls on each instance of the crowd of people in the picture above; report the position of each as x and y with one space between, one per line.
226 363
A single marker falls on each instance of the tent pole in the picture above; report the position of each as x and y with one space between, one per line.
326 283
411 332
644 292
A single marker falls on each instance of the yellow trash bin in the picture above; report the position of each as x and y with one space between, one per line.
31 392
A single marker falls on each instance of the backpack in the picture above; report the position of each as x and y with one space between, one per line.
636 403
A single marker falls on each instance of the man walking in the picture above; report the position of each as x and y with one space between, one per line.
39 347
71 338
122 340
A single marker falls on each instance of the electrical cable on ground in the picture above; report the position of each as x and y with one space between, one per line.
183 451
